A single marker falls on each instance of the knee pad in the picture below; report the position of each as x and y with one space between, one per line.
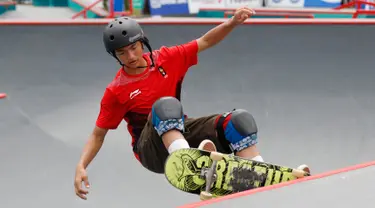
167 114
239 129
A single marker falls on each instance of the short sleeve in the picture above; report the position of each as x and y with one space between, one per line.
184 56
111 111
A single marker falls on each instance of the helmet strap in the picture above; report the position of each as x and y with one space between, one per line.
118 60
146 42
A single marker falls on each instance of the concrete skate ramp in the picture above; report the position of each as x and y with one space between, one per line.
310 88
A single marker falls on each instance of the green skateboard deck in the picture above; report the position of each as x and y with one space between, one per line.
190 169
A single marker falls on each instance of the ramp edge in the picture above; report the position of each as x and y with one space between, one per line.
190 21
267 188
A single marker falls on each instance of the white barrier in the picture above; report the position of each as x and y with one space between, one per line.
195 5
285 3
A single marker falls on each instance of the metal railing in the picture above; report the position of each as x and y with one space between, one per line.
357 4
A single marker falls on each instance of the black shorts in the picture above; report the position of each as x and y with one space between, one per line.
152 152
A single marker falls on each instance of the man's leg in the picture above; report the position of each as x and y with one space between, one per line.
162 134
237 131
168 120
232 132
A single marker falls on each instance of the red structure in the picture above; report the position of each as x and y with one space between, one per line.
112 13
357 5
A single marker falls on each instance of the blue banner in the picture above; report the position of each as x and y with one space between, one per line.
169 7
118 5
322 3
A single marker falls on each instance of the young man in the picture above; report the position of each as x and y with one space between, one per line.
146 94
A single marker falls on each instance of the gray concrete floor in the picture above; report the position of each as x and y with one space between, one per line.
310 88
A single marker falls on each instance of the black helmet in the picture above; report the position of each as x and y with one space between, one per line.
122 32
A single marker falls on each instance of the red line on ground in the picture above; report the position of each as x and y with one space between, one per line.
280 185
3 95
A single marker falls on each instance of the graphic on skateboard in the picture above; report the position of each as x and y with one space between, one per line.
189 169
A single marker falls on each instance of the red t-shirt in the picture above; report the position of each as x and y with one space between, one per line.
130 97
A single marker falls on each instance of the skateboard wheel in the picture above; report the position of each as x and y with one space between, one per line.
298 173
205 195
304 168
207 145
216 156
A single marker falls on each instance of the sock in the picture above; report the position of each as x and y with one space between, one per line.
258 158
178 144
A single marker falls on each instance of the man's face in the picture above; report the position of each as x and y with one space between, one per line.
131 55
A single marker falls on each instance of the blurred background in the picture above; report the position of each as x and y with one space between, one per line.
184 8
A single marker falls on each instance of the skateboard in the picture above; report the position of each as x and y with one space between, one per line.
213 174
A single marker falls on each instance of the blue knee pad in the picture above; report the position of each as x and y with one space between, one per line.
241 130
167 114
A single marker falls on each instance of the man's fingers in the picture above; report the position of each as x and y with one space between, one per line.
81 180
248 10
81 193
244 13
82 196
86 181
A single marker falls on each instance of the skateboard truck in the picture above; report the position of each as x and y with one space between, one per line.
210 175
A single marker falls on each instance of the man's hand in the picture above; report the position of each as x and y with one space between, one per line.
90 150
241 14
81 176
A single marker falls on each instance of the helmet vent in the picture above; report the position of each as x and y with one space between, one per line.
111 37
124 33
120 22
111 26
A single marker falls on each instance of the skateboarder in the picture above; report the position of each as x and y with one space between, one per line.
146 94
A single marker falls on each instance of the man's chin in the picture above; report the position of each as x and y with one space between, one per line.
133 64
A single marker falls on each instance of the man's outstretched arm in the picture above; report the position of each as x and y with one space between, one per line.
218 33
90 150
92 146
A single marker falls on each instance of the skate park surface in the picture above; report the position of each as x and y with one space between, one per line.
310 88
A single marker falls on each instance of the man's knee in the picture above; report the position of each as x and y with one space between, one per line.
238 128
167 114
